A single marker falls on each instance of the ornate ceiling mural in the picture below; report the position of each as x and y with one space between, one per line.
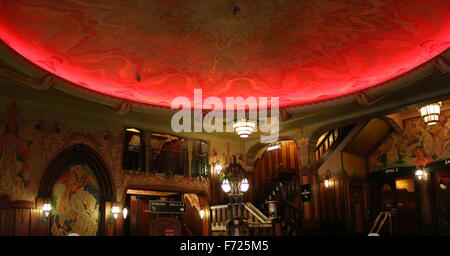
152 51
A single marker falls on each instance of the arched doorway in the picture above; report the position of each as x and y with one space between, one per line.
77 182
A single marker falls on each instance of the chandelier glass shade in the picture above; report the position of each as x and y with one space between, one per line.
244 128
226 186
430 113
244 185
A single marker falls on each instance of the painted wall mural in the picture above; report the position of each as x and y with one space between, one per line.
16 176
76 199
153 51
417 145
28 145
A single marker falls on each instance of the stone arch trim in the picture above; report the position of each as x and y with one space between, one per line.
78 152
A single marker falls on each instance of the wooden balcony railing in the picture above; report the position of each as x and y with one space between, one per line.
329 142
200 165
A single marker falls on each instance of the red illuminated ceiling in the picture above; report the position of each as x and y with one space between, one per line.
152 51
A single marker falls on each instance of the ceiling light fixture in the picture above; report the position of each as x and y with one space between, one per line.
133 130
244 128
430 113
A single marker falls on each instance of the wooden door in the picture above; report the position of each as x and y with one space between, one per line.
358 207
442 191
400 194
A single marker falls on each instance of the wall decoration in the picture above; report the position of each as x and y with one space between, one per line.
417 145
16 176
76 200
153 51
28 144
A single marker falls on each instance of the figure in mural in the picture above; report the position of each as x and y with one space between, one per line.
76 197
15 173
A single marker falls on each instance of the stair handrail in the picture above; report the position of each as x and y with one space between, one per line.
257 213
378 225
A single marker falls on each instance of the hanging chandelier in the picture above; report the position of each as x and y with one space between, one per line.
430 113
244 128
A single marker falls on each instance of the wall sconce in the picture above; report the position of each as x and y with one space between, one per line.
115 210
326 183
202 214
217 167
125 213
419 174
46 209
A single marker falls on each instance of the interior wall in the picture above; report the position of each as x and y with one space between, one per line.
417 145
35 127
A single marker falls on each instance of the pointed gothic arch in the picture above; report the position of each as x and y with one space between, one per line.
74 153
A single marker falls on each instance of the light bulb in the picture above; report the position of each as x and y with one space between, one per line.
125 213
202 214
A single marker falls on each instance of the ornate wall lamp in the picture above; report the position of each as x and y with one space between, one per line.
420 174
202 214
125 213
217 167
46 209
115 212
327 182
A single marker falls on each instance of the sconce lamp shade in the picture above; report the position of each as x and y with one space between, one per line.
46 209
419 174
125 213
115 210
202 214
218 168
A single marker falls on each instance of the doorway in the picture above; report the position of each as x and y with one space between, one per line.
400 194
441 186
144 222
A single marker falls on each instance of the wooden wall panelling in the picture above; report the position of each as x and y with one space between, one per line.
284 155
6 217
306 205
315 190
22 217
